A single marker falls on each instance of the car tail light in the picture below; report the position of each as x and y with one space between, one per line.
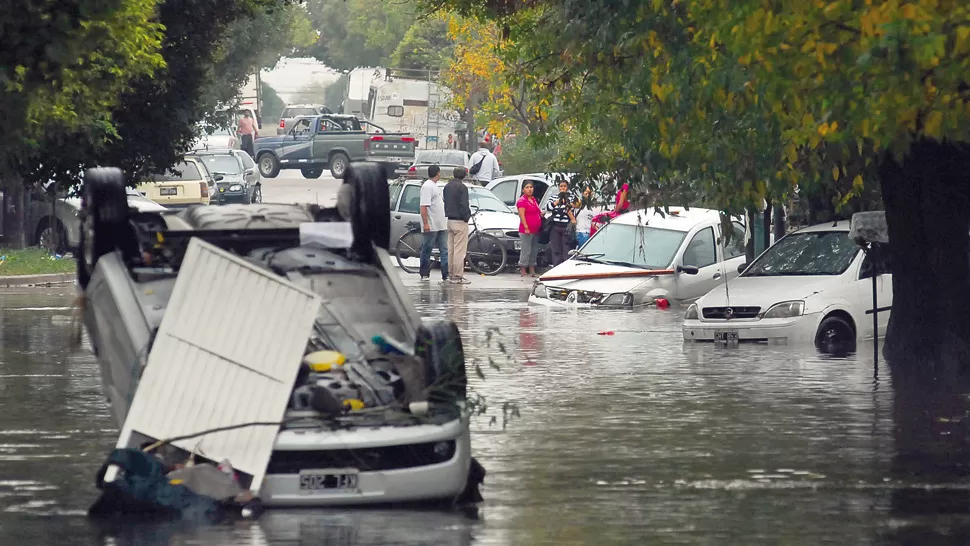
282 124
407 139
412 170
204 188
375 138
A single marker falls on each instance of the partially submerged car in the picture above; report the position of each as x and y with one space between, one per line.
812 286
278 338
646 255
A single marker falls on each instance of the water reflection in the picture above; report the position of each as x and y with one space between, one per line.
630 438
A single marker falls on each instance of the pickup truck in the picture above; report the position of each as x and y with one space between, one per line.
332 141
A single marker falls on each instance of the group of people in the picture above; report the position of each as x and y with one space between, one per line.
570 222
445 213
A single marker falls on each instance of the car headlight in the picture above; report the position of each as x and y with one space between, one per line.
539 291
691 313
786 309
500 233
620 298
444 451
235 187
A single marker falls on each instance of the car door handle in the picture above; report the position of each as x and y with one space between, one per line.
398 217
717 275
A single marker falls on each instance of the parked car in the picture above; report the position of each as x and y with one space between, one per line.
293 111
221 138
494 217
186 183
509 188
241 182
58 230
644 255
813 286
331 141
445 159
282 314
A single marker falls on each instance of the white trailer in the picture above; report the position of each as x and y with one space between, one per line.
408 105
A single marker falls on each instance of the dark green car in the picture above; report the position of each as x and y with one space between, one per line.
241 181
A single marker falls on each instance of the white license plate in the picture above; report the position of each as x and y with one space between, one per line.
726 337
167 191
333 480
518 245
395 159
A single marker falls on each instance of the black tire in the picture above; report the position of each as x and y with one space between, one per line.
408 246
268 165
339 164
835 335
104 220
311 172
51 237
370 214
257 196
486 254
439 345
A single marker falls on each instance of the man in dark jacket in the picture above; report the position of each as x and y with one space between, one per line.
458 212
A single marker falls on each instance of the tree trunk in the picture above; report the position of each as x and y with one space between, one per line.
778 221
471 136
927 201
749 246
13 211
766 239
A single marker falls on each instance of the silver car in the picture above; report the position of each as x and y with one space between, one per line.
293 111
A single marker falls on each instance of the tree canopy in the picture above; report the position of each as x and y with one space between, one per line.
355 33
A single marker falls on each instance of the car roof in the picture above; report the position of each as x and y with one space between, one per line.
840 225
213 151
677 218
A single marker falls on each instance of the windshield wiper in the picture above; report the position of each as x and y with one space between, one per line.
590 257
627 264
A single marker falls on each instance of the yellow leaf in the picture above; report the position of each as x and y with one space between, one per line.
857 183
836 173
933 125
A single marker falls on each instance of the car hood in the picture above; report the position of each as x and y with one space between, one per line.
229 179
506 221
765 291
603 285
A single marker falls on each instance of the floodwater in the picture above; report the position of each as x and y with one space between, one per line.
629 438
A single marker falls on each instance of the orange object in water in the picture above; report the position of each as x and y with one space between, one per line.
662 303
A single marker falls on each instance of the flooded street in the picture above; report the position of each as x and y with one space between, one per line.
629 438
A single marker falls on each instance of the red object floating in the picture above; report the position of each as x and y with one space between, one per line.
662 303
610 333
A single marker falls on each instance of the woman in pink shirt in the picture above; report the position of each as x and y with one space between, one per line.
530 220
622 205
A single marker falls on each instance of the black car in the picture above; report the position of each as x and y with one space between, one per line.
241 182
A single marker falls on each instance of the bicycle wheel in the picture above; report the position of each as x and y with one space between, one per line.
408 247
486 254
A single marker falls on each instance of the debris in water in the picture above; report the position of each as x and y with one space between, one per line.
607 333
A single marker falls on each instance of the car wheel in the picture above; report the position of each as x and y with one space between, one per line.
311 172
269 166
257 194
52 237
339 162
438 345
370 214
104 219
835 335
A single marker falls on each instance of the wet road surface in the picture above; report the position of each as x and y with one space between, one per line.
629 438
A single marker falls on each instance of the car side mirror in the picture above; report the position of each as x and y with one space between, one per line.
687 269
741 268
249 172
218 178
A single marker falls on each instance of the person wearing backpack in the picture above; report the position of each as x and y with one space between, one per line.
483 166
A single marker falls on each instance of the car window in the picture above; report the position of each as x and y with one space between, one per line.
811 253
302 127
411 201
222 164
644 246
186 170
293 112
246 160
395 191
883 266
506 191
485 200
442 157
734 246
540 187
700 251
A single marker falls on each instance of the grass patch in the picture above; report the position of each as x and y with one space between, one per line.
33 261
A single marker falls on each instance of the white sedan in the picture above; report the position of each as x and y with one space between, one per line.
814 285
642 257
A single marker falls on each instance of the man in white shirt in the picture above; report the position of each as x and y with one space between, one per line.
486 163
434 225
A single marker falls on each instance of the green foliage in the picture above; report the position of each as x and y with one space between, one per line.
273 105
426 45
33 261
520 155
333 95
354 33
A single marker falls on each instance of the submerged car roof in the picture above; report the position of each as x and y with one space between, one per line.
678 218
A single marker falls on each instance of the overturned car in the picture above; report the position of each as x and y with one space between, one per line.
277 339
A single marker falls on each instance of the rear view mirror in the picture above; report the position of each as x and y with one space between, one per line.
687 269
741 268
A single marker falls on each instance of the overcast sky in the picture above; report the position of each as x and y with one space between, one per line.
293 75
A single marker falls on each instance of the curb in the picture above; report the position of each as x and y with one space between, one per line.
38 280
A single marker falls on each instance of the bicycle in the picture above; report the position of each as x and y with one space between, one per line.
486 253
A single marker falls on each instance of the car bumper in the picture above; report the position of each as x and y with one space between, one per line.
784 331
430 482
227 198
